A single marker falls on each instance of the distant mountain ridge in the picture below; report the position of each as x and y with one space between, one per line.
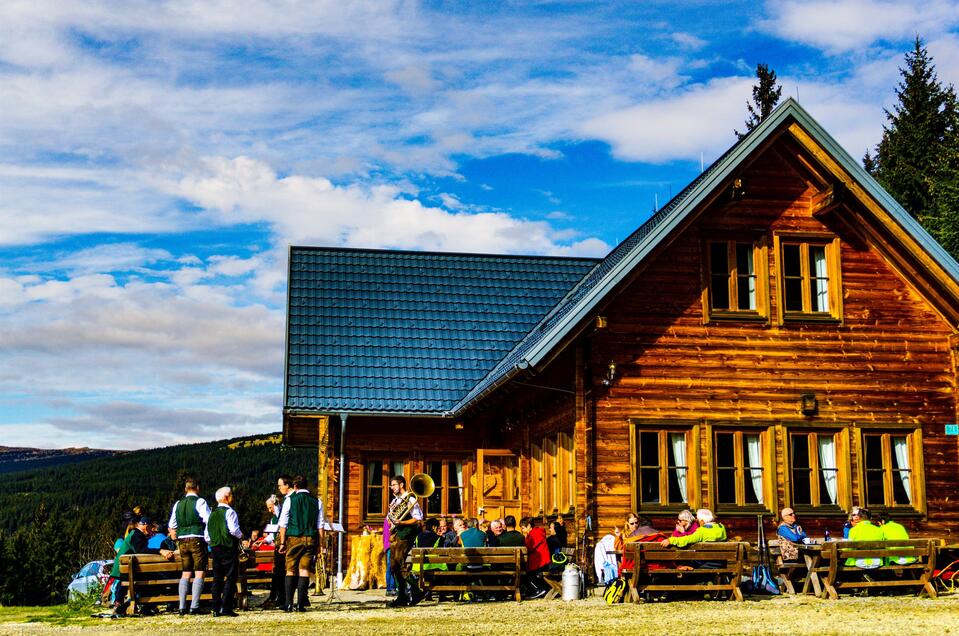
16 458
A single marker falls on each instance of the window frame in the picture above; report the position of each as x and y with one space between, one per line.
693 481
766 432
760 272
446 460
386 467
842 437
913 435
833 271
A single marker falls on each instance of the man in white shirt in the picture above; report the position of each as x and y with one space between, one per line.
223 534
188 529
301 534
402 534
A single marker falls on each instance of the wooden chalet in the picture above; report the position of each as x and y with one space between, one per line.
781 333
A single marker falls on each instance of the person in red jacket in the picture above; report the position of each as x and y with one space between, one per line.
537 557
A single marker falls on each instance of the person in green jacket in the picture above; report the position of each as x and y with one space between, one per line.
709 530
893 531
863 530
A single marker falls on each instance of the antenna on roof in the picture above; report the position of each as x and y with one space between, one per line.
701 163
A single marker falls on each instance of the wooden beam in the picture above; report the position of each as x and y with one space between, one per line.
828 200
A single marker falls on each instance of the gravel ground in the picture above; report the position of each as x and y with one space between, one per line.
365 613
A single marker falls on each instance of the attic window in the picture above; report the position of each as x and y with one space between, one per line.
809 278
736 279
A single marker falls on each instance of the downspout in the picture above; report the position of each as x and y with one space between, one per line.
339 512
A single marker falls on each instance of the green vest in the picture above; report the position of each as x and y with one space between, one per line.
216 528
304 514
188 520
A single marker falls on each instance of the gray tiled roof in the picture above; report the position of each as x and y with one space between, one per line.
409 332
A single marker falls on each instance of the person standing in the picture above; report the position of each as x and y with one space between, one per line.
223 534
277 597
187 527
301 533
402 533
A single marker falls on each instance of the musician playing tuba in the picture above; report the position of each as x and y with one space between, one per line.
405 516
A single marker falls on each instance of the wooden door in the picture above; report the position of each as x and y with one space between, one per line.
497 484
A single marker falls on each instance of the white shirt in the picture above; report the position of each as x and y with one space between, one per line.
416 513
232 524
202 509
285 512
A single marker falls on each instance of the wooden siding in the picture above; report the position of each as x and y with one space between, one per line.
888 361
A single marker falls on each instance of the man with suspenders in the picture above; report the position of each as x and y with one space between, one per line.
301 534
187 527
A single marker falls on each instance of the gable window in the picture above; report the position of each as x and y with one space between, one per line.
889 472
818 476
663 475
377 485
809 275
447 497
736 279
742 468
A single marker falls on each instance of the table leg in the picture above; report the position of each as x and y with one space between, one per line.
812 578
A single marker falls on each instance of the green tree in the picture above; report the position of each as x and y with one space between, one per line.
917 159
766 94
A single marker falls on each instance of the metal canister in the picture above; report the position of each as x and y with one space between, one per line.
571 583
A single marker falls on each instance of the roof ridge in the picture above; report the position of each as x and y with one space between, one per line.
481 255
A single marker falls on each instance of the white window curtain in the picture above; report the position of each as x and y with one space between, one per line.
900 447
678 443
456 494
754 455
397 469
822 286
827 464
751 280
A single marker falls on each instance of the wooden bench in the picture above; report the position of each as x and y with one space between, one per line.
150 578
787 572
836 575
470 569
652 561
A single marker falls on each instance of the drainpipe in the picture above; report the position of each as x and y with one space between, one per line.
339 513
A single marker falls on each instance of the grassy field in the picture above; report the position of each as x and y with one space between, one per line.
364 613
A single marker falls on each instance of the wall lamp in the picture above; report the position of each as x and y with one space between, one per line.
808 403
610 373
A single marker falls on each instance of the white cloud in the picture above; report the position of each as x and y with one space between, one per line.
698 119
838 26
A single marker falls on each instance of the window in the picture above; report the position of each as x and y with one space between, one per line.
815 468
377 484
736 279
662 469
809 274
739 462
553 466
447 498
888 469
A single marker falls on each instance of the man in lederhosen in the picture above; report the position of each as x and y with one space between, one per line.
187 527
402 534
223 534
301 533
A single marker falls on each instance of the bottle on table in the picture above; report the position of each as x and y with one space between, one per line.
826 535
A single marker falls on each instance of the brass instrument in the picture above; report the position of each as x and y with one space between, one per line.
421 485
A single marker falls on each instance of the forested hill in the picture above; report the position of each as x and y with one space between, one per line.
17 459
74 510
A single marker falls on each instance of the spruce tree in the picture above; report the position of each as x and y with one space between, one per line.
766 94
917 159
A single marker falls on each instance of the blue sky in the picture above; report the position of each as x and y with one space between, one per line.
157 158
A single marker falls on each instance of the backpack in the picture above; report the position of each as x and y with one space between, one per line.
615 591
557 563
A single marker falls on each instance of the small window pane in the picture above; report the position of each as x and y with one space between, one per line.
875 495
801 491
374 490
434 502
455 488
649 485
649 449
873 449
791 261
397 470
800 451
719 278
725 455
793 294
718 258
726 485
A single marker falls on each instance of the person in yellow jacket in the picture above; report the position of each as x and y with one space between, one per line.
863 530
709 530
893 531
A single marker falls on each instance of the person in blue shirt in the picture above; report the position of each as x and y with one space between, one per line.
789 528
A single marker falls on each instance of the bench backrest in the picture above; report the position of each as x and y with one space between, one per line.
706 551
920 549
472 556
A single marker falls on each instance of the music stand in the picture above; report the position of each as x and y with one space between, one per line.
331 529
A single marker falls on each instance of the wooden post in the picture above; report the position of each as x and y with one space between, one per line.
322 491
